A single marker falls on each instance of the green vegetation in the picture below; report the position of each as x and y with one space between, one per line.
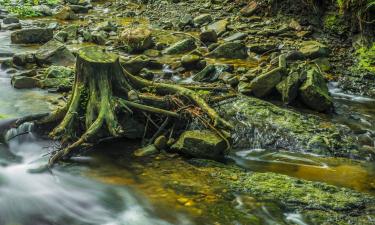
25 8
366 57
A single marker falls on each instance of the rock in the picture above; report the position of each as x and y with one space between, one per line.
235 37
288 87
10 20
79 9
211 73
262 48
65 13
54 53
181 47
108 26
160 142
99 37
208 36
59 72
21 82
61 36
263 84
202 19
295 25
146 151
31 36
22 59
219 26
72 31
185 21
13 26
230 50
26 73
314 49
200 144
135 65
295 55
249 9
43 10
314 92
190 61
138 39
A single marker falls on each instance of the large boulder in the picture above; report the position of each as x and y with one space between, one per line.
314 49
137 40
230 50
200 144
54 53
263 84
314 91
31 36
181 47
288 87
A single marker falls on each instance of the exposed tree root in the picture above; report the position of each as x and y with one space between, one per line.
101 104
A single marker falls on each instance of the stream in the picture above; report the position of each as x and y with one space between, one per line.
106 189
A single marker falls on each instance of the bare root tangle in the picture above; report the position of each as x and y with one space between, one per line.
99 105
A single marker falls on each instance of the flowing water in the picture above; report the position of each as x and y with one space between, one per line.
107 188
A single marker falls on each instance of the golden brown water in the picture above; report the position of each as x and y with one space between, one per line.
342 172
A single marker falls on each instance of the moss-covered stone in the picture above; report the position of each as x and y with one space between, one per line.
261 124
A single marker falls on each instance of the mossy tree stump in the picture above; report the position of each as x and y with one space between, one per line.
100 96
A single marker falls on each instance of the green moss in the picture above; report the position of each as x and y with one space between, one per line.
366 58
335 23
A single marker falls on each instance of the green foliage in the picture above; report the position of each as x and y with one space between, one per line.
367 58
335 23
25 8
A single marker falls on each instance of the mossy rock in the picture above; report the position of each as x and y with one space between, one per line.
366 58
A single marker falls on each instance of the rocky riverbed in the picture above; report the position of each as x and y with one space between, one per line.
297 87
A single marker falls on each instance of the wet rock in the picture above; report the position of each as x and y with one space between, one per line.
10 20
314 49
99 37
79 9
314 92
27 73
21 82
43 10
211 73
12 26
190 61
136 40
61 36
65 13
208 36
54 53
136 64
230 50
262 48
295 55
219 26
249 9
263 84
288 87
72 31
31 36
59 72
22 59
202 19
235 37
108 26
185 21
58 77
200 144
180 47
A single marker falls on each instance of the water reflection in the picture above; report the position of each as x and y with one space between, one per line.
337 171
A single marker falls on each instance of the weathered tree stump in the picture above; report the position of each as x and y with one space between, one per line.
99 101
